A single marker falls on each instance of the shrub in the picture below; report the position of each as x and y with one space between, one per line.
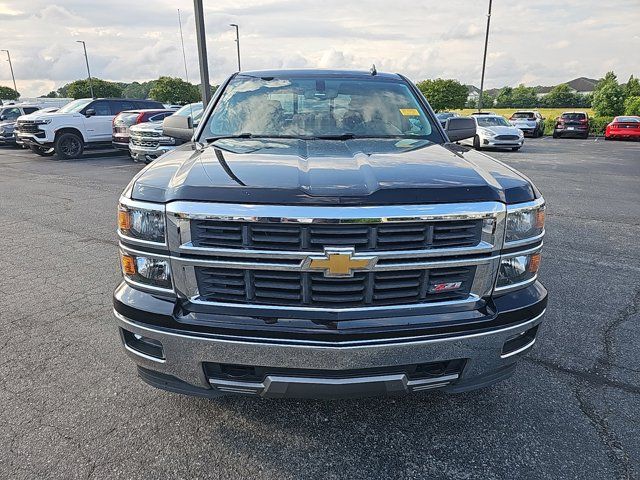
597 125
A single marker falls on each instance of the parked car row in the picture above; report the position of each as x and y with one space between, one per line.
136 126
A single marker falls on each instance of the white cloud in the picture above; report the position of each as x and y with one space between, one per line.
537 43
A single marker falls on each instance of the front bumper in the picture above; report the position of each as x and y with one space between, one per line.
7 138
147 154
289 367
493 143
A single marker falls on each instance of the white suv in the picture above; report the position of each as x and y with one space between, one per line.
79 123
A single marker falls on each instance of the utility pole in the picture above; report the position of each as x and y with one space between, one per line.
86 58
11 68
237 42
202 52
484 58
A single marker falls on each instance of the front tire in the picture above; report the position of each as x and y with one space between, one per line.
515 149
555 134
476 142
42 151
69 145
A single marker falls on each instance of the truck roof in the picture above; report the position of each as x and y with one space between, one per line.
320 72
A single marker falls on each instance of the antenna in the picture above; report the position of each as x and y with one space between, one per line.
184 59
184 56
373 70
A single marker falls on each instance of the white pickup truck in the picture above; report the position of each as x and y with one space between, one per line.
80 123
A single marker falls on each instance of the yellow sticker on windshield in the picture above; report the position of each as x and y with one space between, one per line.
409 112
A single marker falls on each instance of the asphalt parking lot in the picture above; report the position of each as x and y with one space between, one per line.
72 407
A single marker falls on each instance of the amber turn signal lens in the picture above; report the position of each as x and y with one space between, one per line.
124 220
540 218
128 264
534 263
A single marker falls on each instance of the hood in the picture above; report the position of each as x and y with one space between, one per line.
326 172
503 130
37 115
147 127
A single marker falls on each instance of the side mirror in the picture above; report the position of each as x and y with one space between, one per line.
89 112
459 128
177 126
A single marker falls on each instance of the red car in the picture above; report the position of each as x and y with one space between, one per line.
122 122
623 127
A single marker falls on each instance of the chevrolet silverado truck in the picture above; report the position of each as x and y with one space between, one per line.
321 235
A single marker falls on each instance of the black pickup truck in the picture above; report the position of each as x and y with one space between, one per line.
321 235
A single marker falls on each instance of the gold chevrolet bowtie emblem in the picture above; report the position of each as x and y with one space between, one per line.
340 262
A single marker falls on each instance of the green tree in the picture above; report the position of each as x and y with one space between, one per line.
632 88
444 94
524 97
138 90
608 97
504 98
632 105
51 94
101 88
7 93
174 90
488 100
561 96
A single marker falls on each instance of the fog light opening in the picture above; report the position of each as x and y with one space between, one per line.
520 343
145 345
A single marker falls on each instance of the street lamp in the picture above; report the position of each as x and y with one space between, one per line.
11 68
237 42
86 58
484 58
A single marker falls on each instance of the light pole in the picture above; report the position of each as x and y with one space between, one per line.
11 68
86 58
484 58
237 42
202 52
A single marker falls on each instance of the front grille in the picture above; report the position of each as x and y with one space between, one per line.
361 236
506 137
28 127
141 142
149 133
313 289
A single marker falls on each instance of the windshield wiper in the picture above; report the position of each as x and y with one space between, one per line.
341 136
223 137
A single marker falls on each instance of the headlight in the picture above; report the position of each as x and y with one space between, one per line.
141 222
525 222
487 133
518 269
146 270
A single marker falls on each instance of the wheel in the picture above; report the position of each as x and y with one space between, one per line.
42 151
476 142
541 131
69 145
515 149
555 134
586 135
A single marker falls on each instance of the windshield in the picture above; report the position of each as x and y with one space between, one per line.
574 116
492 122
627 119
527 115
317 107
75 106
193 110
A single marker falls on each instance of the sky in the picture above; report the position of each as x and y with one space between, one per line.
536 43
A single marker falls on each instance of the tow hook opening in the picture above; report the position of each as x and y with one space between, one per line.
520 342
144 345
